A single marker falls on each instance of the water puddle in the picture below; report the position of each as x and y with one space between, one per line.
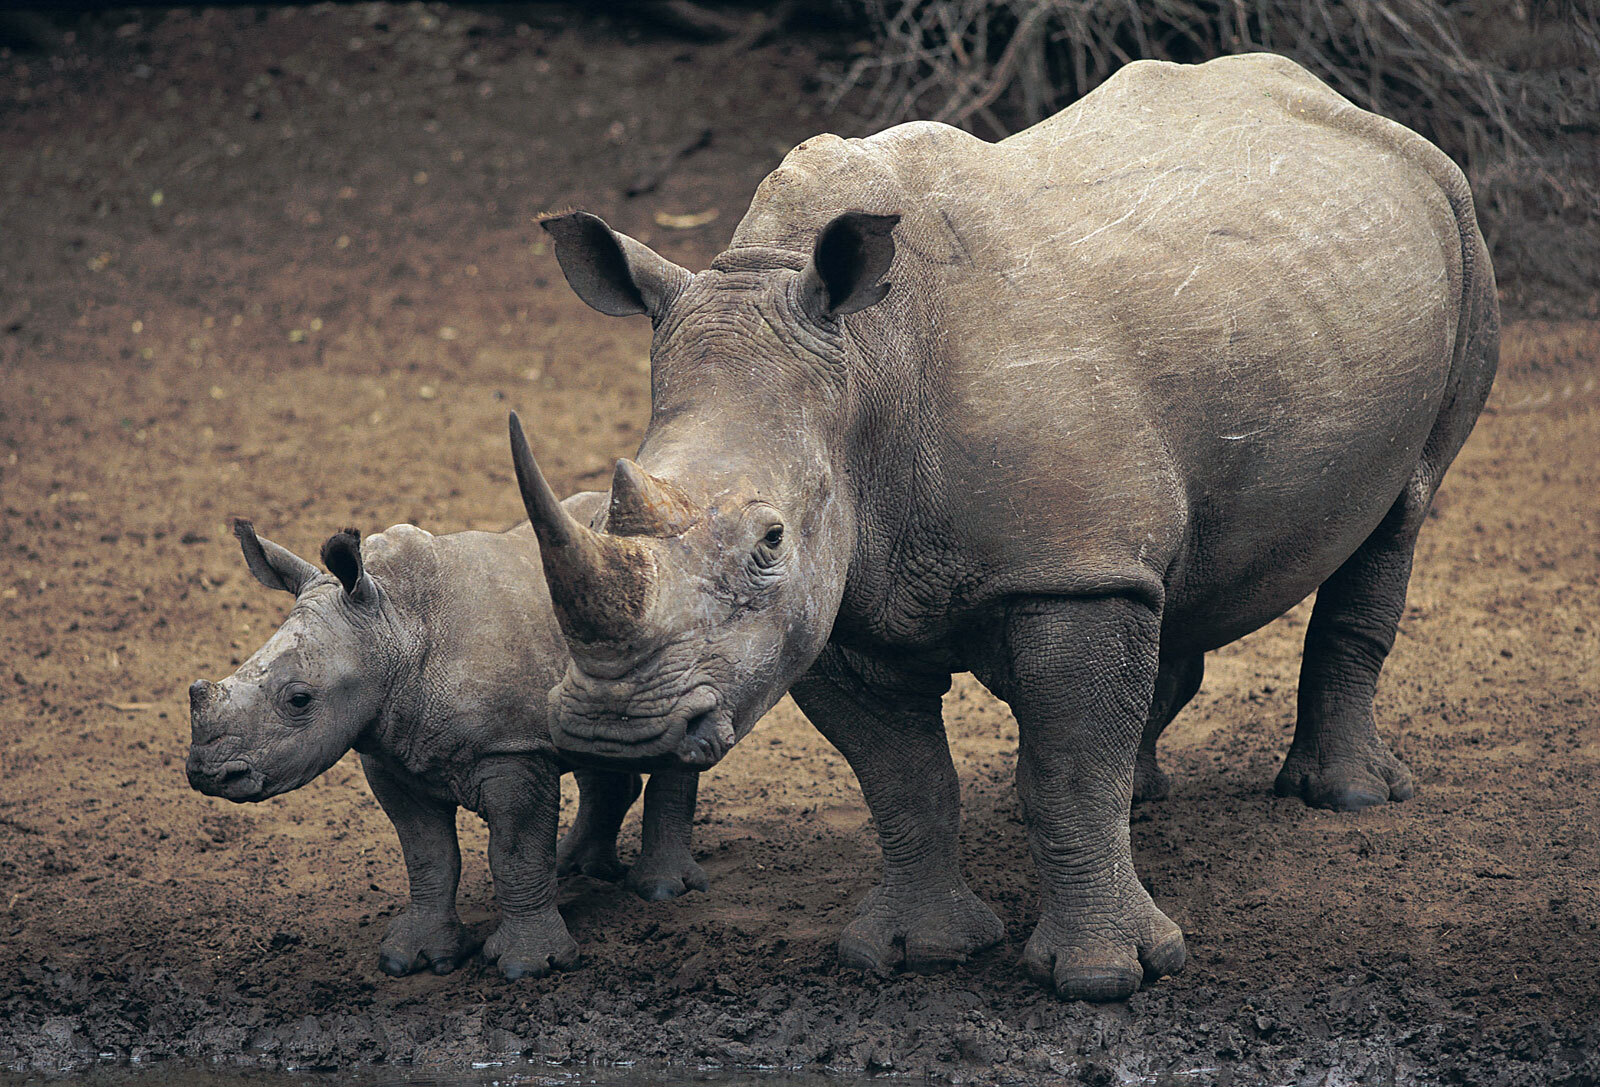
513 1074
180 1074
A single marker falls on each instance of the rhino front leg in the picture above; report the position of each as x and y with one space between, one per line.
666 867
520 799
888 724
590 847
1079 675
427 934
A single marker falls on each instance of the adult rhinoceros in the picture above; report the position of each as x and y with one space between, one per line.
1066 411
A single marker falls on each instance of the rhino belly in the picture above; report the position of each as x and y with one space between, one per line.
1255 549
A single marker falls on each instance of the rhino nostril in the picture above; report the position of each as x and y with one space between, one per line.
698 722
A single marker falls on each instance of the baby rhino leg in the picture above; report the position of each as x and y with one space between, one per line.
427 934
590 847
520 800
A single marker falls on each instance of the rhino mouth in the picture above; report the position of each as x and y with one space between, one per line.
696 732
706 738
234 780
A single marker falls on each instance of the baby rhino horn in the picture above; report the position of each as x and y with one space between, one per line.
642 505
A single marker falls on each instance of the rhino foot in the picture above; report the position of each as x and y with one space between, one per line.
1094 964
1150 782
532 949
1345 782
922 931
417 942
588 857
658 879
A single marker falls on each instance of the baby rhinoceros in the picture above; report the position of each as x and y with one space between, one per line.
417 653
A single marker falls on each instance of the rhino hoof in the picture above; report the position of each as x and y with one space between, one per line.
608 869
1349 784
418 941
1097 985
396 966
532 954
516 971
1089 967
543 966
924 934
658 883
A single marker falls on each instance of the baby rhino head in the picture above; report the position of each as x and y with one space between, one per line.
303 699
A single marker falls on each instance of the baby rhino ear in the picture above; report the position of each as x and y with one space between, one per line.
342 556
275 567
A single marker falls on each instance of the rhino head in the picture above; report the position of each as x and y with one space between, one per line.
304 698
711 579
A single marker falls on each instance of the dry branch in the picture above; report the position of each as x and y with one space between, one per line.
1525 133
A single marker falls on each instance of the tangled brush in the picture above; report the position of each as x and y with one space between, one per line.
1509 88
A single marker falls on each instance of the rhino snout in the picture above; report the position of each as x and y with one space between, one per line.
214 766
596 730
233 779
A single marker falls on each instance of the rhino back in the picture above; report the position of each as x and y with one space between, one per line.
493 649
1192 332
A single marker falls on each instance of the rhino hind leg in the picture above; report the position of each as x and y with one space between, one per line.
666 868
589 848
922 916
1338 760
1177 680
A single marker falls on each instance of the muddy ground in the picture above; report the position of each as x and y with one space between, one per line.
284 265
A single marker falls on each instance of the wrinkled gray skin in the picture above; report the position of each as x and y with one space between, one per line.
433 657
1066 411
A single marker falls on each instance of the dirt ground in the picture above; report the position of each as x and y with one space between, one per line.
284 265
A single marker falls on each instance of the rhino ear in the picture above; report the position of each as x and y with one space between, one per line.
275 567
612 272
341 554
850 257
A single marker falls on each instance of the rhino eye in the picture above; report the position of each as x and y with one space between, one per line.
774 536
297 699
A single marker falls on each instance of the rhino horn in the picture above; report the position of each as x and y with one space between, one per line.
642 505
599 583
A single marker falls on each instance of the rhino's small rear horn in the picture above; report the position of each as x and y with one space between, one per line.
642 505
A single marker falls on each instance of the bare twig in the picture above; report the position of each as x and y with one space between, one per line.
1000 65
